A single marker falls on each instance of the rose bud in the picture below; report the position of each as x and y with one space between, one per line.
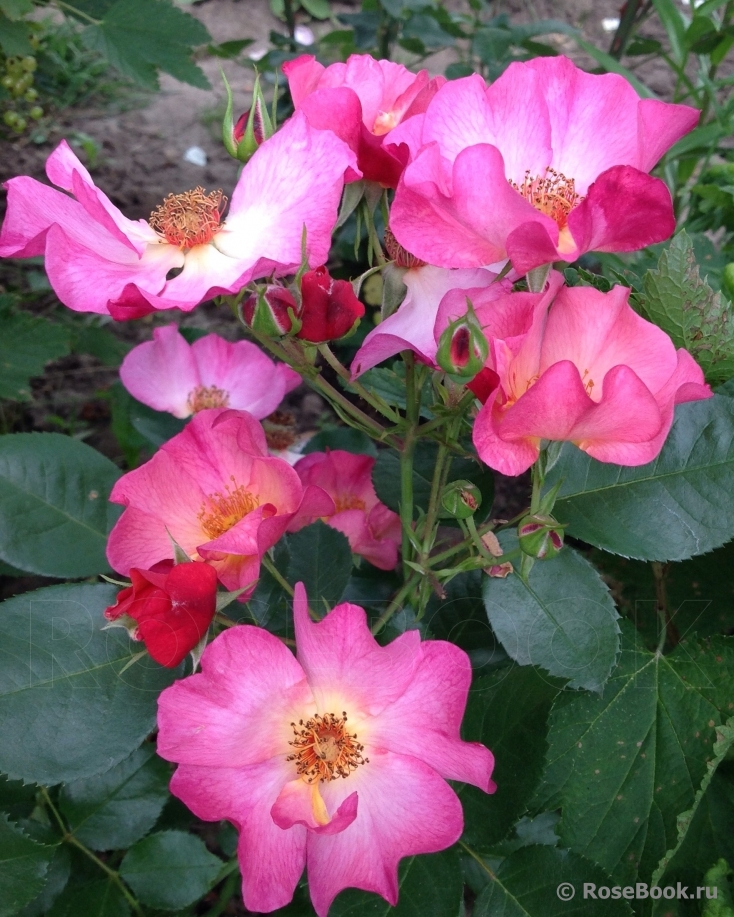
252 129
271 310
462 347
540 536
329 308
172 607
461 499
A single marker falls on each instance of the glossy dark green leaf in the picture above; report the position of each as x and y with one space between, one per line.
54 512
508 712
537 882
71 704
170 870
344 438
429 884
322 559
562 619
115 809
623 765
23 867
27 344
99 898
57 876
678 506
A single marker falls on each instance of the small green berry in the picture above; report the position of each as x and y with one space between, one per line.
8 82
31 95
20 125
29 64
36 112
10 117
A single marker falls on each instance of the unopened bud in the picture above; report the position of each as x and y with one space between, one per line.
252 129
461 499
462 347
270 310
540 536
329 308
727 281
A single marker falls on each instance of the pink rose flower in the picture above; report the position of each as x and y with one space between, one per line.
336 760
361 101
373 530
545 164
214 489
168 374
99 261
589 370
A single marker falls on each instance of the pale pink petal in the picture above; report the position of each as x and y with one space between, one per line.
162 373
405 808
296 805
425 721
238 710
271 860
342 659
294 180
659 126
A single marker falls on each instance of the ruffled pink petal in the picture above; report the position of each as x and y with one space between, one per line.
271 860
659 126
509 458
162 373
405 808
341 658
425 721
353 523
296 806
303 76
294 180
411 327
214 719
625 210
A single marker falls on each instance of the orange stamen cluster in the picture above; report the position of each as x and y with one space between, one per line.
203 397
226 510
189 219
398 254
553 194
324 750
348 501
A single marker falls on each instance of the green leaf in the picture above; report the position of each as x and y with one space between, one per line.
157 427
27 344
71 704
675 26
527 882
16 9
429 884
117 808
508 712
625 764
170 870
562 619
678 506
14 37
100 898
319 9
54 509
99 342
138 37
344 438
23 867
724 741
322 559
685 307
56 878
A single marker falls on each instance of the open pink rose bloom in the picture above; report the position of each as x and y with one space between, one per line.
217 493
168 374
576 364
361 101
99 261
335 760
546 163
373 530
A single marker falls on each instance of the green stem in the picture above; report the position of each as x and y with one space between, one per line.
70 839
397 602
290 21
406 459
225 896
76 12
277 576
374 400
437 485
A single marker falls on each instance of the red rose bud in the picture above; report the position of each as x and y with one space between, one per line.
271 310
253 128
329 308
461 499
540 536
462 347
172 606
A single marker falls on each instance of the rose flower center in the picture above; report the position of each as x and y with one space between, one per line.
203 397
552 194
324 749
398 254
226 510
348 501
189 219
